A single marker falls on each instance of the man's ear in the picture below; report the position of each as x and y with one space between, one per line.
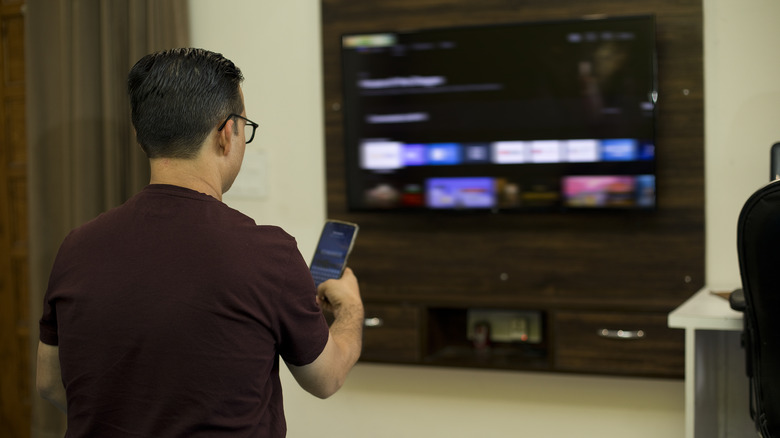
225 137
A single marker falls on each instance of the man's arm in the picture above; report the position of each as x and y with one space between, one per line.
323 377
48 377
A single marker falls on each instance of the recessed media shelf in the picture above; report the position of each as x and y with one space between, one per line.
487 338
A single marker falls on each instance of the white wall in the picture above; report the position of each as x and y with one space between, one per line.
742 98
277 45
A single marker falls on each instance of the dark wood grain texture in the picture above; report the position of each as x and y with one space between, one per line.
590 261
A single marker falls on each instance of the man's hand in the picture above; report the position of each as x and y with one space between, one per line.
334 294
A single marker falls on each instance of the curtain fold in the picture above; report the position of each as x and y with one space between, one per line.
83 158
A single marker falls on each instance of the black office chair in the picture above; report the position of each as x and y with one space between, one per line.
758 248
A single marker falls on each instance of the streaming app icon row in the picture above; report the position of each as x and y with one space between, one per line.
386 155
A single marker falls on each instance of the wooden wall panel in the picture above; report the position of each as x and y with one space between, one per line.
630 261
15 355
13 49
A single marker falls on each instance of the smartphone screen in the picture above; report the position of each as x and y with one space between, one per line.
330 257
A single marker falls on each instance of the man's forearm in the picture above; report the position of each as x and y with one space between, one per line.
347 332
57 398
49 377
329 371
323 377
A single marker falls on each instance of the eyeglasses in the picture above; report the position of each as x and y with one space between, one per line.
249 127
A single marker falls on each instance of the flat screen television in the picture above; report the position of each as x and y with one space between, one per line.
550 116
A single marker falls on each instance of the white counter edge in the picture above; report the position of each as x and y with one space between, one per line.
706 311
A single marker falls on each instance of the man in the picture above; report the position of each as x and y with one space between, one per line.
167 316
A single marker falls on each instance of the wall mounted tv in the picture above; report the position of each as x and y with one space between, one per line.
550 116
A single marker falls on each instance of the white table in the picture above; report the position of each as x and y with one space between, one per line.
716 387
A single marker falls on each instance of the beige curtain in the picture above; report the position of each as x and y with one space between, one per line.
83 158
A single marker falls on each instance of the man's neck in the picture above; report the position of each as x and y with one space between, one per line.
188 173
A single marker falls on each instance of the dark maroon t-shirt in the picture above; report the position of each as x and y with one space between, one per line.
171 312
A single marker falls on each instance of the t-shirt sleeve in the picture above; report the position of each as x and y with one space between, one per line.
48 325
302 326
48 322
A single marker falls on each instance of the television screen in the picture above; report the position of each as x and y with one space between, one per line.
549 116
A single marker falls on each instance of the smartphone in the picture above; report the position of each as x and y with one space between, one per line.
333 249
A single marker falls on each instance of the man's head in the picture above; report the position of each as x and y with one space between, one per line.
179 96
